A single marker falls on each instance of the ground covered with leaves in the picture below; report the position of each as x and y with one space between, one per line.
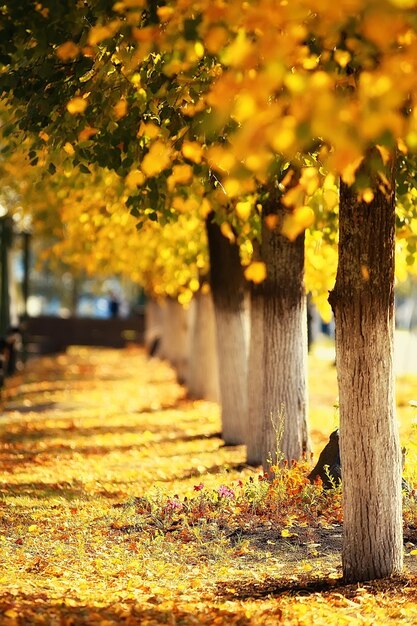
120 504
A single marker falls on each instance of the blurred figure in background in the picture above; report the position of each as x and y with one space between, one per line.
114 305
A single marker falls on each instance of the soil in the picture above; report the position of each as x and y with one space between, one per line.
320 548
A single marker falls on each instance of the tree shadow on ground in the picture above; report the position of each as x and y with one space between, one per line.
213 469
61 406
37 610
309 585
45 491
24 432
66 448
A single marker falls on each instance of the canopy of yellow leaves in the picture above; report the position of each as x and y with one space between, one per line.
84 223
295 71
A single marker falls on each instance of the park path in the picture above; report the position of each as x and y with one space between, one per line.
83 437
106 419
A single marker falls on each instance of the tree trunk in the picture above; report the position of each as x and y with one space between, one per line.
154 314
228 289
363 304
203 371
175 340
255 422
5 244
284 361
75 295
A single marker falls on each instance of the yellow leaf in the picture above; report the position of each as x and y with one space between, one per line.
311 62
11 613
297 221
232 187
69 149
194 284
134 178
413 552
215 39
309 180
181 174
411 139
385 154
258 160
98 33
271 221
205 207
243 210
295 83
129 4
67 51
199 49
226 230
236 53
402 147
149 130
221 159
342 57
192 150
283 138
165 13
77 105
256 272
368 196
294 196
245 107
348 170
157 159
331 198
120 108
32 528
286 533
185 297
86 133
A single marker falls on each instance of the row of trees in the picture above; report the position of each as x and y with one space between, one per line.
250 111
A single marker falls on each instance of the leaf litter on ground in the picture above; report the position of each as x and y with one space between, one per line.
119 503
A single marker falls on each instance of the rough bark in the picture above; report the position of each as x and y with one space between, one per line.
254 428
363 305
176 337
284 361
203 373
228 289
153 327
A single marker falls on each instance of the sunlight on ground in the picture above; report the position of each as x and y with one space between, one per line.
119 504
